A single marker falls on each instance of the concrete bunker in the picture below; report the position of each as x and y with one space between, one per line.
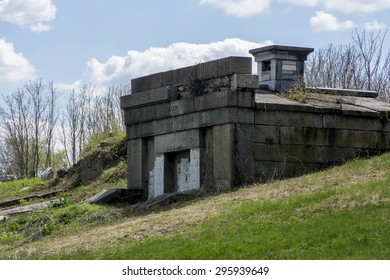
215 125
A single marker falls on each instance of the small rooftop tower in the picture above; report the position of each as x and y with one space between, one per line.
279 67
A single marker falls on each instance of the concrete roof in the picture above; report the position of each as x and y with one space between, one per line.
324 103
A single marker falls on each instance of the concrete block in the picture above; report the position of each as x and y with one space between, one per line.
203 118
304 153
195 169
223 157
143 114
245 98
268 170
241 115
267 134
147 83
343 92
234 65
135 162
168 78
334 137
175 108
244 154
207 70
151 128
149 97
177 141
213 100
294 169
184 75
359 123
207 168
159 111
288 118
224 67
148 165
190 121
244 81
125 101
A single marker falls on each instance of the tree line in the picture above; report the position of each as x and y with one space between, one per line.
41 127
361 64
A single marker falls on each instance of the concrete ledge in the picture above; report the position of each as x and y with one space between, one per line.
190 121
244 81
149 97
344 92
177 141
280 52
356 123
205 102
207 70
325 104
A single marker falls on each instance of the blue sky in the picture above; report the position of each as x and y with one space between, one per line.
108 42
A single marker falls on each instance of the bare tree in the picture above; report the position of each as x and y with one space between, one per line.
89 111
363 64
16 128
71 128
370 46
50 121
36 91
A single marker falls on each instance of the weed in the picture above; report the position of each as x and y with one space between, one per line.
104 140
60 203
297 92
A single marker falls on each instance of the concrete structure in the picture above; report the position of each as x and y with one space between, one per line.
210 126
280 66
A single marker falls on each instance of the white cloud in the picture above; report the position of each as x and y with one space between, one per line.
374 25
121 69
310 3
14 67
244 8
239 8
356 6
323 21
40 27
69 87
26 13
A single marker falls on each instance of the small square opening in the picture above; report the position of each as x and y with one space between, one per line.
266 67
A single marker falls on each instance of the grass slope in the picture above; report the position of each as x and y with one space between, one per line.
339 213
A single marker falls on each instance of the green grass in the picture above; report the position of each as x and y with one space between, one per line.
339 213
298 228
94 143
20 188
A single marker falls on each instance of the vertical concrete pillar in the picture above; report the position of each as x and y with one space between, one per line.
157 188
195 164
135 161
223 156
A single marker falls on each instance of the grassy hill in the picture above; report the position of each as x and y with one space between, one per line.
339 213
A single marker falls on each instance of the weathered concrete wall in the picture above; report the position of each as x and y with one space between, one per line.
293 138
231 133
